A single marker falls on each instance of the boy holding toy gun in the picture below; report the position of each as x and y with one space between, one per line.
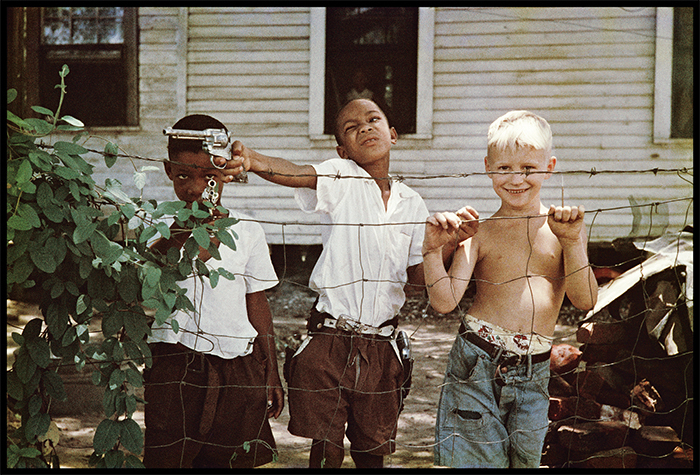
346 378
213 384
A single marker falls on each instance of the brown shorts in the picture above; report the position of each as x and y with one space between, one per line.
203 411
341 378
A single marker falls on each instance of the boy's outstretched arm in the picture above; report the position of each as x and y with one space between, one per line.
442 230
566 222
274 169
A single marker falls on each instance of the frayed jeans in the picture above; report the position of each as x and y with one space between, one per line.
485 425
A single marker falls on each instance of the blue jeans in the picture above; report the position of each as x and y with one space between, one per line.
481 424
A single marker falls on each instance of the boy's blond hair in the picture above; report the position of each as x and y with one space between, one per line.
520 128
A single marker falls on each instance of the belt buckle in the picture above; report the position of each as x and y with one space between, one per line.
504 362
343 324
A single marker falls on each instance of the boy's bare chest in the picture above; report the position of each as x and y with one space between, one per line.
509 252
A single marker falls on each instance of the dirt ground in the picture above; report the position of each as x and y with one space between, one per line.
432 336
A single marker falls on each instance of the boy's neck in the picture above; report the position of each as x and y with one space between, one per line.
534 210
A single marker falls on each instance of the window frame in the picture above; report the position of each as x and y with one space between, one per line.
130 61
317 74
663 90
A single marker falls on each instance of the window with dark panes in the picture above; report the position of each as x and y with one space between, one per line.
373 53
682 77
99 46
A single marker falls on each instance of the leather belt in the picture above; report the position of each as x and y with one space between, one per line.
500 356
353 326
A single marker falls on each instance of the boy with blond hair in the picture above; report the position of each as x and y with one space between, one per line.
525 259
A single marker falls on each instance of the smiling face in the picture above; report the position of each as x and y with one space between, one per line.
363 133
519 191
190 172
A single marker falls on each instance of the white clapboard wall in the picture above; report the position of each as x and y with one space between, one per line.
589 71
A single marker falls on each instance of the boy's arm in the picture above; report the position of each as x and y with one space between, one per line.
261 318
274 169
445 289
567 225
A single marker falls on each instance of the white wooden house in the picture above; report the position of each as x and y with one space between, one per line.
602 77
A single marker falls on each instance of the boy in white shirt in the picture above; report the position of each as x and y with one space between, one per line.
348 371
213 384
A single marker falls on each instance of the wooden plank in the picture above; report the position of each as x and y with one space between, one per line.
254 31
466 89
543 64
497 78
578 14
249 44
544 51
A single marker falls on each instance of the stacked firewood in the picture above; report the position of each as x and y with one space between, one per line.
617 402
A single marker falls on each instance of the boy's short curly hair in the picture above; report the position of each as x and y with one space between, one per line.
336 125
520 128
191 122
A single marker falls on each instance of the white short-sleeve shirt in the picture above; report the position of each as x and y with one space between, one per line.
220 324
367 249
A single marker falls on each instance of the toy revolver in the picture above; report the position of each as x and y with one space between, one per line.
216 142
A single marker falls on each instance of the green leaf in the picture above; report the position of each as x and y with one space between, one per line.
201 236
152 275
35 403
72 121
14 385
226 239
24 172
116 379
148 233
114 459
226 274
110 154
40 126
43 259
29 213
131 436
112 322
83 231
11 95
39 351
67 173
19 223
106 436
54 385
113 189
133 462
42 110
163 229
213 278
25 366
37 425
139 180
81 305
16 120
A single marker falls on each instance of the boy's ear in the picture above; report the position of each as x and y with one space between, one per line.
168 171
394 135
550 166
486 163
341 151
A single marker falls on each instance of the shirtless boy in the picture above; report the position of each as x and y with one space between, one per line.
524 259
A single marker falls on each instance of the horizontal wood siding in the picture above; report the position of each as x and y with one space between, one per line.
588 71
